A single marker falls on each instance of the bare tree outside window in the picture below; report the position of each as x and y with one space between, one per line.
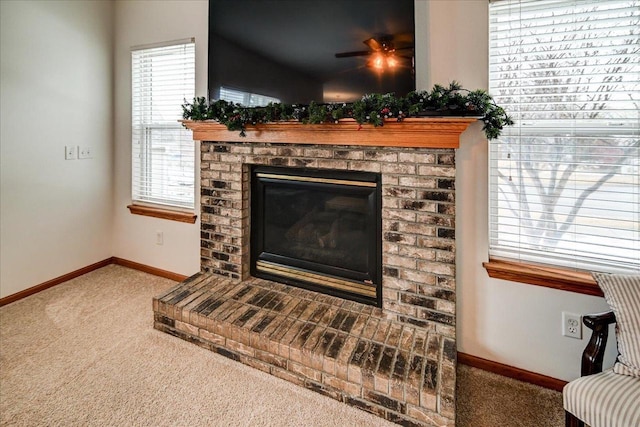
565 181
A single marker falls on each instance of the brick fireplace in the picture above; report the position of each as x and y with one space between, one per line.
396 361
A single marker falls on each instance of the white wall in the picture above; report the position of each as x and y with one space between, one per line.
512 323
55 215
508 322
141 22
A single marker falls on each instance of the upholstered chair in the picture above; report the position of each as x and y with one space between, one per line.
610 398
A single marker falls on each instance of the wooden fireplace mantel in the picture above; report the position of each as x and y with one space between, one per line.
427 132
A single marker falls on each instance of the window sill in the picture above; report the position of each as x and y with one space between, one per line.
540 275
171 215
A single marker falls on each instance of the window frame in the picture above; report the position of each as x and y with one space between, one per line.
548 275
144 201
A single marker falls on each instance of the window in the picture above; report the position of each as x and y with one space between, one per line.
565 180
163 153
245 98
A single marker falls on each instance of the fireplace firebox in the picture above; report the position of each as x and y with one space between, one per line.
318 229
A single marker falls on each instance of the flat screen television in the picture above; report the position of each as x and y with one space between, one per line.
298 51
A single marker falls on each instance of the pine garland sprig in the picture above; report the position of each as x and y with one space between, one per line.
371 109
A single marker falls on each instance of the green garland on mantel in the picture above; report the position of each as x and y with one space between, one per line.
372 109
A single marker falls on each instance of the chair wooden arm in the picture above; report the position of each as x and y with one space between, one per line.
594 351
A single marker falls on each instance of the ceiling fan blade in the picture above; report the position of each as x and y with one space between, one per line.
373 44
384 44
403 38
356 53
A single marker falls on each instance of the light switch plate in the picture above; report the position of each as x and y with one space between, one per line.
70 152
84 152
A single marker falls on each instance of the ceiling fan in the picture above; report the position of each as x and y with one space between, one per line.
382 51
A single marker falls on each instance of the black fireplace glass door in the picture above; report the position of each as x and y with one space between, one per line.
317 223
319 226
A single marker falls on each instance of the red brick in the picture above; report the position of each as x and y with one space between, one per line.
283 348
348 387
185 327
368 379
446 406
393 339
239 348
344 356
271 359
359 324
288 376
396 389
428 400
313 359
381 383
212 338
367 406
276 337
429 417
370 329
257 364
382 331
221 328
305 371
354 374
411 395
262 341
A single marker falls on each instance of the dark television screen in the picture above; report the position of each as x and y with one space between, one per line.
298 51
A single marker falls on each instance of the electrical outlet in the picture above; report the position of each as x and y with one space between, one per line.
70 152
159 237
84 152
571 325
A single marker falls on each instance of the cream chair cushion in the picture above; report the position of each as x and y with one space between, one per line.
606 399
622 292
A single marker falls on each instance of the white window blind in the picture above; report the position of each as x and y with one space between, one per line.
163 152
565 180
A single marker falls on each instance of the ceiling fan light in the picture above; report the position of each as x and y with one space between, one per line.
378 62
392 61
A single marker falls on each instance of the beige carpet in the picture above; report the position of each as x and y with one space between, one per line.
85 353
486 399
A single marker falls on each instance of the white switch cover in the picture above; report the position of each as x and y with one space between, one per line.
70 152
84 152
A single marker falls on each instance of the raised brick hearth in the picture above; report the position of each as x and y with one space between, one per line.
342 349
397 361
